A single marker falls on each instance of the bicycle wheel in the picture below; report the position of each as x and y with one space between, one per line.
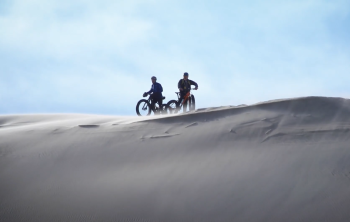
172 106
143 108
164 109
193 103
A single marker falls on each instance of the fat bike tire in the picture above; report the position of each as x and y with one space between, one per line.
140 105
164 110
193 103
172 107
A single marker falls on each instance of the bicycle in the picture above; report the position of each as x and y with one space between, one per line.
174 106
143 107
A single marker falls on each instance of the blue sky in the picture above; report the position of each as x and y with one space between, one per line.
98 56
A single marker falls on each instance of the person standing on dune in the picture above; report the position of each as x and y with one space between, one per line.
184 86
156 90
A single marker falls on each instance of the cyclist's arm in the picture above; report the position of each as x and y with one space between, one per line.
151 90
194 83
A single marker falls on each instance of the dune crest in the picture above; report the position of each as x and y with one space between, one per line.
282 160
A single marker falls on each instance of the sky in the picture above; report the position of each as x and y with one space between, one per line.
97 57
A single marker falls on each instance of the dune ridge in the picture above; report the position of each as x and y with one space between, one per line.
281 160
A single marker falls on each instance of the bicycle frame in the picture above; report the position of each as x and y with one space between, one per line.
156 106
175 106
186 97
145 106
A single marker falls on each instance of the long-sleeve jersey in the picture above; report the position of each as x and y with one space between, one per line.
156 89
186 84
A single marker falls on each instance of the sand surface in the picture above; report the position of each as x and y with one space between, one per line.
283 160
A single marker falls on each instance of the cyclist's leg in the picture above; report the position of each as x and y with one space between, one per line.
185 106
160 103
153 101
183 94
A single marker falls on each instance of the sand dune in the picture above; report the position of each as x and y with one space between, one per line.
283 160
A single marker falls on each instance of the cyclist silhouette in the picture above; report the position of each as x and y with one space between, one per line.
156 90
184 86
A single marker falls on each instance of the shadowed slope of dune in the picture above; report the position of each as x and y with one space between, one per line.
285 160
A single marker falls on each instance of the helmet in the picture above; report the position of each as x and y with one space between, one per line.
186 74
153 77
